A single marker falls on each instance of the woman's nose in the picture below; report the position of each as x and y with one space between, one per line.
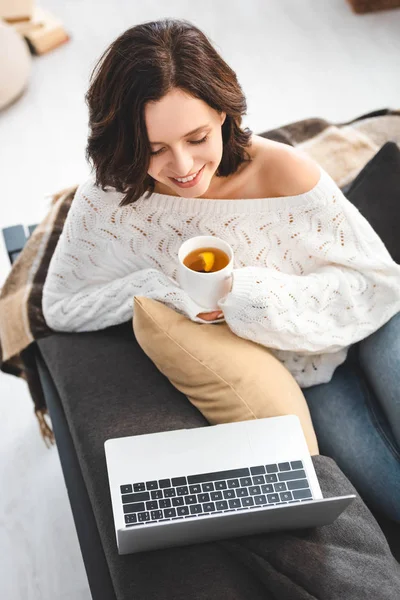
181 165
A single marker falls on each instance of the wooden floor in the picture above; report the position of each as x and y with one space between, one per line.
294 59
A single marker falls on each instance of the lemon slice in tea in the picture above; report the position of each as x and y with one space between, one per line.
208 260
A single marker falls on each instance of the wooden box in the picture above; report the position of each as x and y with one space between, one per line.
16 10
365 6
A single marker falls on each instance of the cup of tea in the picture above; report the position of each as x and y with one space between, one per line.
205 269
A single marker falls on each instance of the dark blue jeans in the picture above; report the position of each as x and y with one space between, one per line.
356 417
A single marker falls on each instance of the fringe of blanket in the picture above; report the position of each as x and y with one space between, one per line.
31 375
45 429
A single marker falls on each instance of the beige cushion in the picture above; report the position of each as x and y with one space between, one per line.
226 377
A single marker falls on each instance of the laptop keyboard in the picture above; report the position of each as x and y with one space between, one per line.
210 493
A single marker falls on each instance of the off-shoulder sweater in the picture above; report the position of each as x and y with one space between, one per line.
311 277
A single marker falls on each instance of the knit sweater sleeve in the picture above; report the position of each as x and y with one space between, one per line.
352 291
90 283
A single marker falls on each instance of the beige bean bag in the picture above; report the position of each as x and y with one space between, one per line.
15 64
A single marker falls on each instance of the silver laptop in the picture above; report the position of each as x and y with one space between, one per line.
194 485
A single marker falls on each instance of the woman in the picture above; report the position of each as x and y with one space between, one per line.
312 278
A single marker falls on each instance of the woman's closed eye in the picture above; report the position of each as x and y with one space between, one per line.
204 139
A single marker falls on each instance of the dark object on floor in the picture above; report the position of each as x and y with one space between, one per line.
366 6
376 193
15 239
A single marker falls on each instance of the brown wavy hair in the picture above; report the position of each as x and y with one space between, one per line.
144 64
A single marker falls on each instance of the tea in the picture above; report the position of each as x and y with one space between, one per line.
206 260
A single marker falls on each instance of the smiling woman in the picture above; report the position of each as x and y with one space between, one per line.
311 277
166 123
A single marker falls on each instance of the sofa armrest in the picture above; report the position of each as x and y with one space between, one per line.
92 551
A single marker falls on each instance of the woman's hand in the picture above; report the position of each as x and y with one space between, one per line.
211 316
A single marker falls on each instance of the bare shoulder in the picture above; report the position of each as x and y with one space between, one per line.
284 170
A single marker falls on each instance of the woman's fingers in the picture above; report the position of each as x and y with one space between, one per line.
212 316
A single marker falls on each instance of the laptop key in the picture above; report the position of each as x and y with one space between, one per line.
297 485
249 501
139 497
178 481
233 483
156 494
151 485
267 488
297 494
273 498
290 475
131 508
143 516
169 512
195 489
138 487
296 464
156 514
245 481
178 502
182 491
271 478
217 475
260 499
209 506
196 509
285 466
152 505
223 505
164 483
221 485
234 503
208 487
216 495
253 490
203 497
190 499
272 468
286 496
130 519
242 492
280 487
182 510
164 503
257 470
258 479
126 489
229 494
169 492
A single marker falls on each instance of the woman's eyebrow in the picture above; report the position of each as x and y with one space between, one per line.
187 134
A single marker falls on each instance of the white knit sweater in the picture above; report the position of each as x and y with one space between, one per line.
311 276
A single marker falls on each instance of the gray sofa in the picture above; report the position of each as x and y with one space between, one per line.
100 385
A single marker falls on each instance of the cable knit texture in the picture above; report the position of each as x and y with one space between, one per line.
311 276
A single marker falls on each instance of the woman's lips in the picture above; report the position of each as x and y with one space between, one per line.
189 184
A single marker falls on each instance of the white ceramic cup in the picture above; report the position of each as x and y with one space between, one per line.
205 288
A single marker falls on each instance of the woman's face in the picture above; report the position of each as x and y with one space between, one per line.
176 154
